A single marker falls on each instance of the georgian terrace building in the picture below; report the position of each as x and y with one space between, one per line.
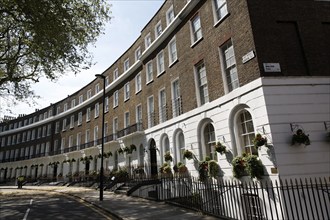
201 72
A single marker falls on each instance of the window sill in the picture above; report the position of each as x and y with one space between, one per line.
196 42
221 20
137 92
115 106
149 82
174 62
161 73
127 99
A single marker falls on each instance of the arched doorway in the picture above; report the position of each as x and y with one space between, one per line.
153 158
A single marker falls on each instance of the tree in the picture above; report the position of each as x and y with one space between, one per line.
42 38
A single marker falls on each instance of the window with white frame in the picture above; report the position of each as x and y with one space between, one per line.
9 141
78 140
162 106
138 54
57 127
196 28
72 121
97 88
33 134
73 103
79 118
87 136
201 80
63 125
149 72
126 64
126 120
96 134
147 40
172 52
209 141
228 65
115 99
45 116
169 15
106 109
141 156
107 81
58 110
176 99
219 9
97 110
65 109
39 132
62 143
49 129
138 83
151 113
115 74
89 94
88 114
138 111
244 130
50 113
158 29
115 128
160 63
28 138
44 131
70 141
106 127
126 92
81 99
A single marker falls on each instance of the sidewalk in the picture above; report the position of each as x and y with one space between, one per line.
121 206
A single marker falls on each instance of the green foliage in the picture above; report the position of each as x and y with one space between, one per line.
187 154
220 148
259 141
300 138
168 156
180 168
214 168
165 169
41 38
238 166
247 165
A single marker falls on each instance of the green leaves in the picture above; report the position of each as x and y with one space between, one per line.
46 38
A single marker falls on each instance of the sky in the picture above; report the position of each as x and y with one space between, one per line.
128 19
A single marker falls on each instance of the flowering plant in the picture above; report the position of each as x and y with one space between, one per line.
300 138
220 148
247 164
188 154
168 156
259 141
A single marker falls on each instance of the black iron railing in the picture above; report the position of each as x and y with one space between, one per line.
298 199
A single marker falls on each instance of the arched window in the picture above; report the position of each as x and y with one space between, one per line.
165 145
141 155
179 145
209 141
244 133
116 160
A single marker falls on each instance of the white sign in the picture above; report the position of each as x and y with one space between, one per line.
250 55
272 67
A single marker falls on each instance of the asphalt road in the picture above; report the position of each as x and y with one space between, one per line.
47 206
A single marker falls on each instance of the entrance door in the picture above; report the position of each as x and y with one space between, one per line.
55 172
153 158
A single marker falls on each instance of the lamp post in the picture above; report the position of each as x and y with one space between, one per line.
102 143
